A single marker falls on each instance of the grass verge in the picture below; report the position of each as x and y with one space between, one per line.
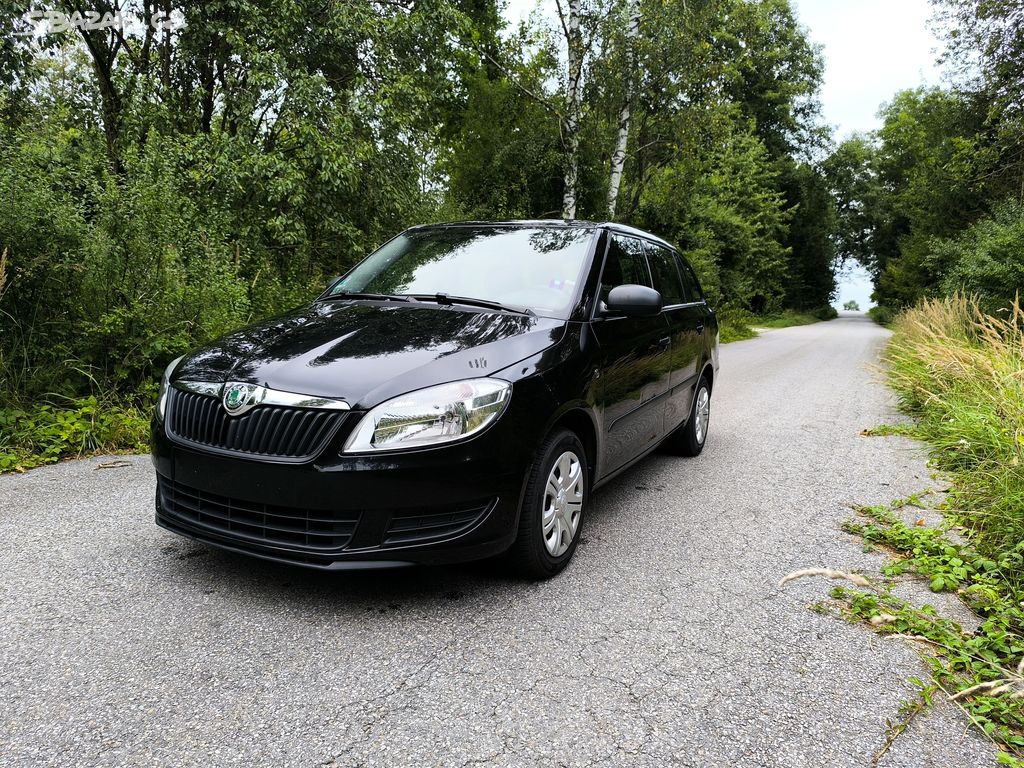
882 315
737 325
960 374
789 318
42 433
731 331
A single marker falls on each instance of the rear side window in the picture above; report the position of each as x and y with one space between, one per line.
666 275
693 290
624 265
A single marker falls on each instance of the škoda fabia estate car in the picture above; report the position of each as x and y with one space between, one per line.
458 395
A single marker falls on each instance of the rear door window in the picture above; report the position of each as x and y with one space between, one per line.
693 291
666 275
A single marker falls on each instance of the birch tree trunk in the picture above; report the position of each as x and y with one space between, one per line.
622 139
574 100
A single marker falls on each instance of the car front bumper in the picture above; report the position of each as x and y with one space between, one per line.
442 505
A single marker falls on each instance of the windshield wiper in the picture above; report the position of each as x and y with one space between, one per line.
373 296
447 300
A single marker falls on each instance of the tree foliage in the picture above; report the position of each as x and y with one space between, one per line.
162 185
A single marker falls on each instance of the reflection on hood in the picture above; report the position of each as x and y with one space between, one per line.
356 351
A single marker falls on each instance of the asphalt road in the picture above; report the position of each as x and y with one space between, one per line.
667 641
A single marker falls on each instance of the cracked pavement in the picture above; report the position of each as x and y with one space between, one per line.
666 642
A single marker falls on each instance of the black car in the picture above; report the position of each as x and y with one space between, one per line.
457 395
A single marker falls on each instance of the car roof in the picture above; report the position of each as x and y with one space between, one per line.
612 226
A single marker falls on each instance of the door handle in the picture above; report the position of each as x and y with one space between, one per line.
700 327
663 343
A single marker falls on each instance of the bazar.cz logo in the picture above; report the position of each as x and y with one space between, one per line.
55 22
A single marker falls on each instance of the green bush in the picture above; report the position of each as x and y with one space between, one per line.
828 312
735 325
107 278
739 324
731 332
882 315
987 259
789 318
42 434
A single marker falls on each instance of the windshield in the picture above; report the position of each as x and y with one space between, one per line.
533 268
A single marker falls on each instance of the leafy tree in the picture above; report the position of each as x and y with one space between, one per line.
922 175
626 111
726 214
774 74
162 185
487 178
987 258
857 191
811 263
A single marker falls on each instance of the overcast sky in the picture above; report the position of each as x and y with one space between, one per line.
872 49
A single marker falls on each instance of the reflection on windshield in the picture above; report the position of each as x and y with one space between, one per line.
538 268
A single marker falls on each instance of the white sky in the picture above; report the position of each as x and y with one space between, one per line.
519 10
872 49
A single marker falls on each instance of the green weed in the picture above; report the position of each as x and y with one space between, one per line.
730 332
737 325
889 430
38 434
882 315
958 660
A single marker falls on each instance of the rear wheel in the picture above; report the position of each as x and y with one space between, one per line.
689 439
553 507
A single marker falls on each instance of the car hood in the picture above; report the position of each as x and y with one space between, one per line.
366 353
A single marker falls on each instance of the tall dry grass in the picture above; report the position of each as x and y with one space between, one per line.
961 373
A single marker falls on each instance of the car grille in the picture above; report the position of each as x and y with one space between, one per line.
256 523
273 431
422 527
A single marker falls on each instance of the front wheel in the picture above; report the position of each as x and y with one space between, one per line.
689 439
553 507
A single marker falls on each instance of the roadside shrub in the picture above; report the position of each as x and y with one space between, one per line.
106 278
43 239
828 312
735 325
986 259
882 315
159 276
42 434
785 319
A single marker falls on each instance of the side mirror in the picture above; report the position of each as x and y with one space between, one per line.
634 300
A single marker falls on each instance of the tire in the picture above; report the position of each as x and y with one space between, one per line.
539 553
689 439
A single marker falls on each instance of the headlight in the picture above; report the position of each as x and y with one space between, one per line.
161 400
431 416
